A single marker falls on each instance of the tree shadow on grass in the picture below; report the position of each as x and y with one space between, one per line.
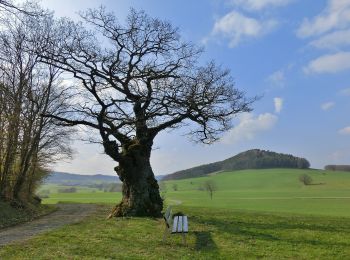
205 242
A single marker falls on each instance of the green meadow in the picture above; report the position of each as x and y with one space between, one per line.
268 190
254 214
213 234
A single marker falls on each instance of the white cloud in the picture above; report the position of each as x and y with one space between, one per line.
256 5
345 131
335 16
236 27
327 106
345 92
333 40
278 104
330 63
277 78
249 126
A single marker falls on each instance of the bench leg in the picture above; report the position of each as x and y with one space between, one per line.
165 234
184 238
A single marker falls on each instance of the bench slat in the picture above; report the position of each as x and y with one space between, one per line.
179 225
185 224
176 219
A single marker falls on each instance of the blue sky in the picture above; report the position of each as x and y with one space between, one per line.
295 53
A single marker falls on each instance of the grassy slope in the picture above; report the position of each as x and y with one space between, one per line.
276 190
214 234
10 216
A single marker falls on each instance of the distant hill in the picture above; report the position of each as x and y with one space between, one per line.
251 159
70 179
159 177
63 178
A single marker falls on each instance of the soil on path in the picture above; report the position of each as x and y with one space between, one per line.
66 214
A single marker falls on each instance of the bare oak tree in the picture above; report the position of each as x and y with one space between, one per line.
28 8
136 80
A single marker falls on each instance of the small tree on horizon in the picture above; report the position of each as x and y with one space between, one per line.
305 179
210 186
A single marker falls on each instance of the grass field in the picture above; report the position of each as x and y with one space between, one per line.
254 214
53 188
270 190
84 197
214 234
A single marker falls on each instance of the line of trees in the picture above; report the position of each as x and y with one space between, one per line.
345 168
29 142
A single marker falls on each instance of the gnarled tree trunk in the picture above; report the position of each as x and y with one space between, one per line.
140 188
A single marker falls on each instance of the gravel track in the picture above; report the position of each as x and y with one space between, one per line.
66 214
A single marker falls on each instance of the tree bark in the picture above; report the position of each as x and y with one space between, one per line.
140 188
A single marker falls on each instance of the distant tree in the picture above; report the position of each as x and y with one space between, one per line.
345 168
115 187
175 187
210 187
305 179
67 190
139 79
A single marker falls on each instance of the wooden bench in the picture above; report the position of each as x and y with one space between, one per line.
175 225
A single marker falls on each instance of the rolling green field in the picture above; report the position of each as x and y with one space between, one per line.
265 214
270 190
213 234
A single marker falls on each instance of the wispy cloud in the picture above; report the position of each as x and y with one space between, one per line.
237 27
277 78
333 41
335 16
327 106
345 131
331 31
257 5
278 104
330 63
345 92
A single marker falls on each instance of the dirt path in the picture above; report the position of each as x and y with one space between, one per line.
66 214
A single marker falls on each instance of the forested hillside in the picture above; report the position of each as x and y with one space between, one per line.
251 159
